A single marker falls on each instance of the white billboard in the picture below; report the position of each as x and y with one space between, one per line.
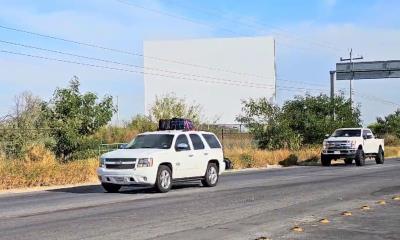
215 73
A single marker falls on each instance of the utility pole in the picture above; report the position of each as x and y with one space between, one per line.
350 59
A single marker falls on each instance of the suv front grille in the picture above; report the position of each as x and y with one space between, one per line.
120 166
120 163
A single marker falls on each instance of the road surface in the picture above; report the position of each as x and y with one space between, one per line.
245 205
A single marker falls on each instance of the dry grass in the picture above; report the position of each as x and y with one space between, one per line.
40 168
392 151
250 157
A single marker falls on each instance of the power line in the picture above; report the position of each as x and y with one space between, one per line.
142 67
219 15
132 53
124 64
128 52
155 74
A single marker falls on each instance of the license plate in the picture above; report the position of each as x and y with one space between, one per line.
119 179
336 152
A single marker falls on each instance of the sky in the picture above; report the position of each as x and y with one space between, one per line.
311 36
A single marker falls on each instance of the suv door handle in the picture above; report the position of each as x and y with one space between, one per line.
191 155
205 154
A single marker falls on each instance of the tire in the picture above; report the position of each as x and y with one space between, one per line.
164 179
325 161
111 188
348 161
360 157
211 177
380 157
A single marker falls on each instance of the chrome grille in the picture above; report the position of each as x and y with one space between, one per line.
120 163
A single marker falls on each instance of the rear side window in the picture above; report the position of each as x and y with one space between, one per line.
197 142
212 141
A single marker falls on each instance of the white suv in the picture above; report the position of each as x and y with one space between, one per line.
160 158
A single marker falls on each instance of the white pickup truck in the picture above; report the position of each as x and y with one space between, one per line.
160 158
352 143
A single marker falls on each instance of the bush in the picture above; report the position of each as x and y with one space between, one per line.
247 160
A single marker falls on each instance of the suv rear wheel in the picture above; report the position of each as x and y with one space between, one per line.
164 179
111 188
211 177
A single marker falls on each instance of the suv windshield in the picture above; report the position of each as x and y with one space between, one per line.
347 133
158 141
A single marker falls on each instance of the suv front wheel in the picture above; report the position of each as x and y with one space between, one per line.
164 179
211 177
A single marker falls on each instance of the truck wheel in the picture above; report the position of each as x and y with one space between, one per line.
111 188
211 177
348 161
164 179
380 158
360 158
325 161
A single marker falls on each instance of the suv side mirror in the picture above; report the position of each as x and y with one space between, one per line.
122 146
369 135
182 147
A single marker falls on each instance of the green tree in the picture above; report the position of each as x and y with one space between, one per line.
389 125
311 116
265 122
170 106
74 117
24 126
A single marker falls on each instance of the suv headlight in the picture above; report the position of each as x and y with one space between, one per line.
102 162
145 162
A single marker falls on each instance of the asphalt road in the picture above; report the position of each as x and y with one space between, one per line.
245 205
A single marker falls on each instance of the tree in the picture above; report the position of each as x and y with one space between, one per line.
170 106
389 125
24 126
265 122
311 116
74 117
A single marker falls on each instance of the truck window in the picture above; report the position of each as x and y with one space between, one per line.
347 133
197 142
182 139
366 132
212 141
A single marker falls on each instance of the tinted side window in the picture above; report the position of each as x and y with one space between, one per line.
197 142
182 139
211 141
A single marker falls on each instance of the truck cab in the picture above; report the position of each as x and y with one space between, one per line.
352 144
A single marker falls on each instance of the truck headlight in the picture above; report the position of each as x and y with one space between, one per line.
102 162
145 162
353 144
324 145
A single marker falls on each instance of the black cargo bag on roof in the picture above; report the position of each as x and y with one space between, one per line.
175 124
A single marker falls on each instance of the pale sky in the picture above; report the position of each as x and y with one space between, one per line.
311 36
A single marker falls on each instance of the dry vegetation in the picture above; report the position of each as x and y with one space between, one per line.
39 167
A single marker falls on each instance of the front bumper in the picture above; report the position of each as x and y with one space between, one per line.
339 153
142 176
